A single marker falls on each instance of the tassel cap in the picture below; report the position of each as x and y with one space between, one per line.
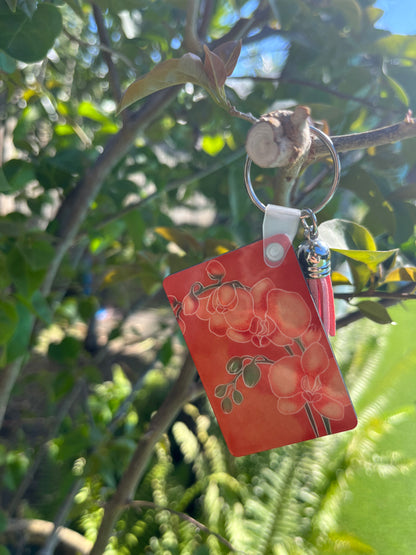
315 259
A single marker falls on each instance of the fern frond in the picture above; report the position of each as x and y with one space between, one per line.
342 542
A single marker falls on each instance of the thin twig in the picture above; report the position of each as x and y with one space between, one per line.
113 77
386 302
139 504
392 295
405 129
54 536
313 85
243 26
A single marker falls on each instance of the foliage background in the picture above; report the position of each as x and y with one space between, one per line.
98 208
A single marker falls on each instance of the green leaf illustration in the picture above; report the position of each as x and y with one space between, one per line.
251 375
220 390
237 397
234 365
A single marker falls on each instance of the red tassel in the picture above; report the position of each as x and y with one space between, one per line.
315 259
323 297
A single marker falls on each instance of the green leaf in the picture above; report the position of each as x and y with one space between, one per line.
166 352
17 173
12 4
407 273
88 110
212 144
343 234
186 241
351 11
41 308
7 63
370 258
76 6
395 46
8 320
176 71
214 68
339 279
25 279
398 90
38 252
18 344
29 39
87 307
375 311
229 53
4 185
66 351
374 14
380 216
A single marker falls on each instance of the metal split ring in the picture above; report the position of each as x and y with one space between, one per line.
337 170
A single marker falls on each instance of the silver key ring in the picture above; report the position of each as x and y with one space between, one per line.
337 170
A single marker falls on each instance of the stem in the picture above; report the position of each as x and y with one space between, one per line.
311 419
327 424
177 396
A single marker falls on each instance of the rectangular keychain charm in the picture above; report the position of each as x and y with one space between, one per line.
260 349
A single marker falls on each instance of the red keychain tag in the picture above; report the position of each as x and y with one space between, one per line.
260 349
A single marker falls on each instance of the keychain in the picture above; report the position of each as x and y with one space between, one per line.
253 329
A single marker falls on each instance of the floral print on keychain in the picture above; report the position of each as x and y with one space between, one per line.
260 349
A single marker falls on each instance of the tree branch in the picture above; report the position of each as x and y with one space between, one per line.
313 85
205 19
177 396
278 139
113 77
243 26
360 141
191 40
37 531
396 296
74 207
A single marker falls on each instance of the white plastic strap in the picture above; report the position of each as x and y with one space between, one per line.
278 220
